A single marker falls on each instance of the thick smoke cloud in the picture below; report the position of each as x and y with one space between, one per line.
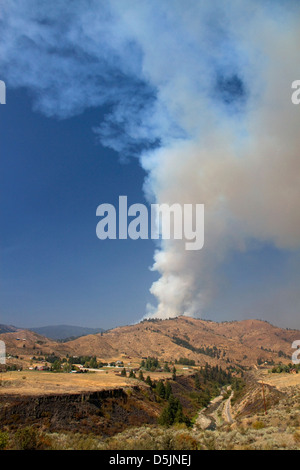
200 92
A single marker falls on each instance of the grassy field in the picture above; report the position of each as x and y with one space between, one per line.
41 382
31 382
280 381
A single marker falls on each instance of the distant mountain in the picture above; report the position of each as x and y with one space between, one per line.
63 332
7 329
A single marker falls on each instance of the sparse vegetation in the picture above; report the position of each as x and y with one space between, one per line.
285 368
185 361
29 438
3 440
208 351
106 410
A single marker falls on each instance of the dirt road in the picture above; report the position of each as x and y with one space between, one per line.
227 410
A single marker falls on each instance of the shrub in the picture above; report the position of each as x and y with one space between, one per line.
3 440
30 439
258 425
186 442
297 437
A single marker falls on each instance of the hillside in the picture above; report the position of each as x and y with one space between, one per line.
243 343
27 343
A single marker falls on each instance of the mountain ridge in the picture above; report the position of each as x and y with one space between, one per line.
240 343
63 332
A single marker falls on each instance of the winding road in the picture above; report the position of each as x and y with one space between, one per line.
227 410
206 418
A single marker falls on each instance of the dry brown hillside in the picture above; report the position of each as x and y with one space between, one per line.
240 342
25 342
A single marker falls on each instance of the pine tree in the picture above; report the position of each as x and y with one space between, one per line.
160 388
197 381
149 381
168 390
179 416
141 377
165 418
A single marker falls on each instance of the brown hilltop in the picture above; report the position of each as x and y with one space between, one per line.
237 342
26 342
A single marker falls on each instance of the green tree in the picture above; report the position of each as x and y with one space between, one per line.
160 388
151 363
197 381
56 366
172 413
67 367
141 376
149 381
165 418
168 390
179 416
93 363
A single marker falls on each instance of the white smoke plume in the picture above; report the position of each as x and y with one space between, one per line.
204 87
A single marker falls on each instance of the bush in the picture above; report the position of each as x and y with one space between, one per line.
3 440
30 439
258 425
297 437
186 442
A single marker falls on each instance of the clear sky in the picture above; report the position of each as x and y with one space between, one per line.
53 267
162 101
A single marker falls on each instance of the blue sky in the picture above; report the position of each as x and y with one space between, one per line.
162 101
53 267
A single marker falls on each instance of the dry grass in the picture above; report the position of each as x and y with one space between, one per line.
278 430
280 381
31 382
42 382
180 438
